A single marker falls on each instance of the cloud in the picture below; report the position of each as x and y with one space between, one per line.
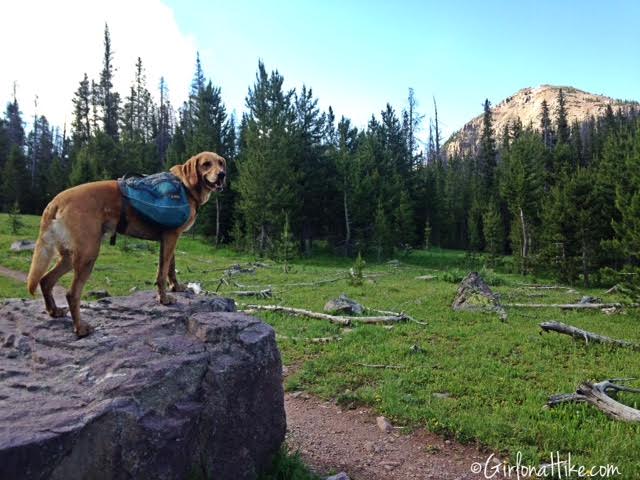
48 46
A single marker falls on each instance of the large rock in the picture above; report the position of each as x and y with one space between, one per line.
343 305
23 246
474 295
187 391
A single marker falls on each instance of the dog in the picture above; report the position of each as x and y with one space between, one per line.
75 222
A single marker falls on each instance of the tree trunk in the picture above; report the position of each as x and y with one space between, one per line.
347 239
525 237
585 263
217 221
262 238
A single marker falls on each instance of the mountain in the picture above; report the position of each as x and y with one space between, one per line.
526 104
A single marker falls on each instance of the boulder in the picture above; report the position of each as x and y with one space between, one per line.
475 295
343 305
192 390
338 476
23 246
585 300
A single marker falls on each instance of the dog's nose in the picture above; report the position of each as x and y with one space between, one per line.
221 176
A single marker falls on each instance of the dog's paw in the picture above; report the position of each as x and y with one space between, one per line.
83 329
166 299
58 312
179 287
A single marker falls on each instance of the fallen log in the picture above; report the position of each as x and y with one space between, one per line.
536 286
580 334
309 339
599 395
570 306
253 293
369 365
339 319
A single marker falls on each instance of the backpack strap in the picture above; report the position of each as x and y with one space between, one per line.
122 221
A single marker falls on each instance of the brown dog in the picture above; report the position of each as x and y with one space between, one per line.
76 220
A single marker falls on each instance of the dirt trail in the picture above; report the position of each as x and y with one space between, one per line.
331 439
58 292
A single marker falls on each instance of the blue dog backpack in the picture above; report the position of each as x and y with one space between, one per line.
160 199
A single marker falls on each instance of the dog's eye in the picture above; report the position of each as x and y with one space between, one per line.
206 164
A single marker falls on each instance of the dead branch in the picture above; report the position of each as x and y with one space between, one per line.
544 287
369 365
569 306
266 293
342 320
313 284
221 282
599 395
580 334
613 290
309 339
396 314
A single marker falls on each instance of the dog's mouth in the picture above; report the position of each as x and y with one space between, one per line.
216 186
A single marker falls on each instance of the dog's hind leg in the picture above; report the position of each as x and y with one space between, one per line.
50 279
82 267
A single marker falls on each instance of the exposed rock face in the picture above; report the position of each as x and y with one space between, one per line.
159 392
475 295
526 105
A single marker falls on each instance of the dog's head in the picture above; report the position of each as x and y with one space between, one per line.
205 172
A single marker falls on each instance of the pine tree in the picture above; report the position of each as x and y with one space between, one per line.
404 226
475 227
268 179
521 184
382 237
546 128
562 123
487 153
427 235
15 180
493 226
14 124
163 138
40 151
81 124
627 201
109 100
15 220
345 162
287 246
312 163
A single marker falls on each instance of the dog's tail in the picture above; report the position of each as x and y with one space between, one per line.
44 251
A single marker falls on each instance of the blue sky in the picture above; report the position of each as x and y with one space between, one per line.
355 55
358 55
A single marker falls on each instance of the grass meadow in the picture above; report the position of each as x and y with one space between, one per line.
468 376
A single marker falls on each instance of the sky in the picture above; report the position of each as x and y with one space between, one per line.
357 56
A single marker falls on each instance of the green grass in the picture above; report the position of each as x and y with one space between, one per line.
288 466
497 375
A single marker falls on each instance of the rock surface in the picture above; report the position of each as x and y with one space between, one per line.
190 390
475 295
343 305
23 246
526 105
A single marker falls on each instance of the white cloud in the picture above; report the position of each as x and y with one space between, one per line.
47 46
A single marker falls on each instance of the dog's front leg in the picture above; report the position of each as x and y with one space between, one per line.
174 285
167 249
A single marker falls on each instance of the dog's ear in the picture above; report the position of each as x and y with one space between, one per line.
188 172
